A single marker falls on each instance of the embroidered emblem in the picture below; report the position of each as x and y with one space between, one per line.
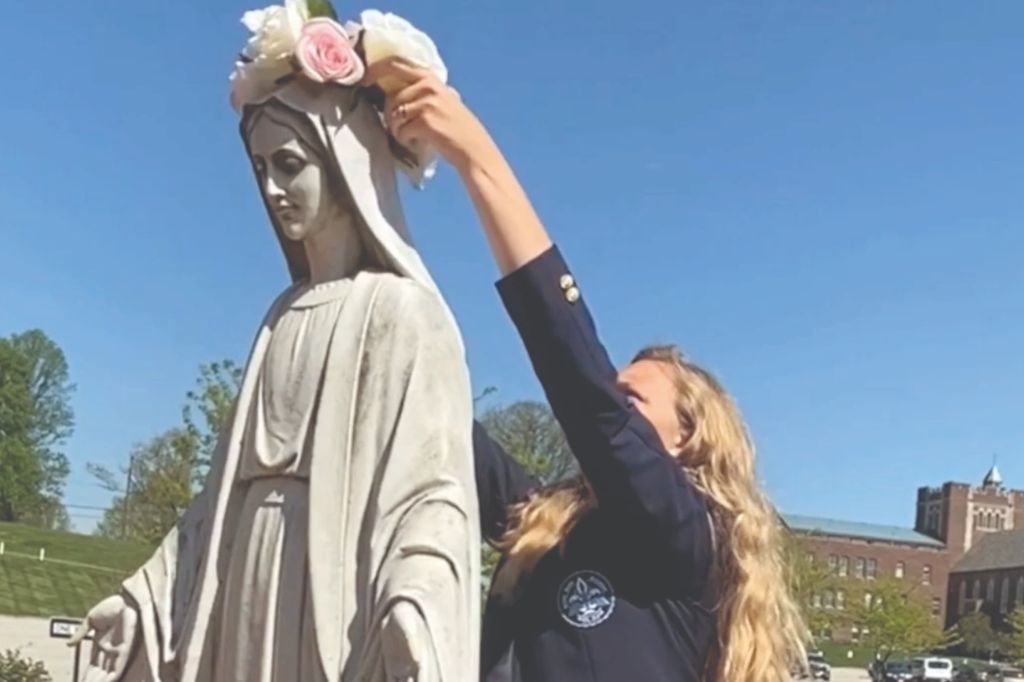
586 599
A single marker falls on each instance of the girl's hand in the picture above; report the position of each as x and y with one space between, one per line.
425 111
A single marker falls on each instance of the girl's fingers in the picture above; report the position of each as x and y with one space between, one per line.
408 119
407 96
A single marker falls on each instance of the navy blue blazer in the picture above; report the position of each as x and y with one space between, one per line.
631 596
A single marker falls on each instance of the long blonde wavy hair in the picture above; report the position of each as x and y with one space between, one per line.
761 633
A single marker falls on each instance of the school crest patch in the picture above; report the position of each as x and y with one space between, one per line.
586 599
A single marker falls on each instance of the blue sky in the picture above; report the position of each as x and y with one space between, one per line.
823 202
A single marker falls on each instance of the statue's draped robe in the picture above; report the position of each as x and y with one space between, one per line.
343 484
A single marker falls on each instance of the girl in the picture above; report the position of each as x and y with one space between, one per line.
663 561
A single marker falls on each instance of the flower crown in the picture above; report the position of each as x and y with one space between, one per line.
303 39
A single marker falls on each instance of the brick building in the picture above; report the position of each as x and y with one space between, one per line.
965 538
989 578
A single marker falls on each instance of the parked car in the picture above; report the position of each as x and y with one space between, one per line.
819 668
967 674
897 671
1012 675
928 669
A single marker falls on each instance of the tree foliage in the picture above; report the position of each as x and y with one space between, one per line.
895 619
167 470
809 580
22 479
1015 640
208 407
162 471
53 421
978 637
529 432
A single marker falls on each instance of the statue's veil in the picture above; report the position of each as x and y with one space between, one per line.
357 155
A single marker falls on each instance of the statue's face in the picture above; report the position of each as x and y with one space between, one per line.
293 180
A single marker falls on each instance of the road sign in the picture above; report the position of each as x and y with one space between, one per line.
64 628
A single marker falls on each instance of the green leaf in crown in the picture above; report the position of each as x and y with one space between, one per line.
321 8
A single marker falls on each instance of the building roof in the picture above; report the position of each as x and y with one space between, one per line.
855 529
993 551
993 477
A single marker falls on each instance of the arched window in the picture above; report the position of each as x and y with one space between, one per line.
829 602
990 591
841 600
1004 596
977 590
962 602
1020 590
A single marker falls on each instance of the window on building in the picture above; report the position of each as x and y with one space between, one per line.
829 600
858 567
1000 521
900 568
816 600
1020 590
936 606
872 568
844 566
977 590
926 575
990 591
1004 596
961 604
833 561
855 633
841 600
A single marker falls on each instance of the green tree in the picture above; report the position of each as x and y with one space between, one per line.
896 619
166 471
1015 640
208 407
529 432
21 485
809 581
51 422
978 636
162 472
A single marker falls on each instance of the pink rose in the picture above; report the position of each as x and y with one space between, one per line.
325 54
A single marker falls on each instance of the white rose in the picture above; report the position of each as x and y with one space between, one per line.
275 30
389 35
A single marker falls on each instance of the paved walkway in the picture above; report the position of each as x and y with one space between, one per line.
32 637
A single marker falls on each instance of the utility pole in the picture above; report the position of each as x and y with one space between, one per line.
127 499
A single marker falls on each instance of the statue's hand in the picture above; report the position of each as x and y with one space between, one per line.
404 641
114 624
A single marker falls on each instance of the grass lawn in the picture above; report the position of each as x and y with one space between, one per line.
29 587
836 654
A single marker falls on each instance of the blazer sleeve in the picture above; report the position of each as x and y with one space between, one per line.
500 483
617 448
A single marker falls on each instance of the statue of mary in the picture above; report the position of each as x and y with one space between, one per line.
336 535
